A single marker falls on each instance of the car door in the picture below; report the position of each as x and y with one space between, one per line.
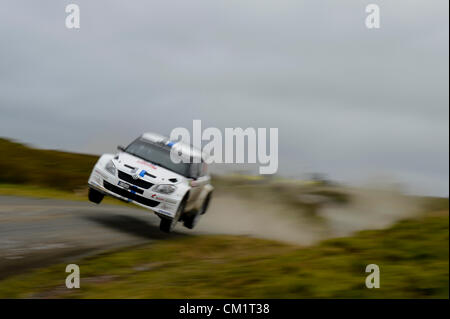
198 182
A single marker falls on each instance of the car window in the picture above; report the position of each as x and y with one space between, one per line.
159 156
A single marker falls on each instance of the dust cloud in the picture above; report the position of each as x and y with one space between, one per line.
233 214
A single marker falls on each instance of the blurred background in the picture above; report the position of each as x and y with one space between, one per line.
353 103
363 146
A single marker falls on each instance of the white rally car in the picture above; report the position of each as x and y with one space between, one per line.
143 173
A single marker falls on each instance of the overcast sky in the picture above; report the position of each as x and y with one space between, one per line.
349 102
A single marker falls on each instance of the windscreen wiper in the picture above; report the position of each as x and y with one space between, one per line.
154 163
134 154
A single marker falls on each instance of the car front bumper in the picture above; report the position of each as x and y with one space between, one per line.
108 184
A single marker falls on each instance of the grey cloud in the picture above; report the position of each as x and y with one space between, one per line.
348 101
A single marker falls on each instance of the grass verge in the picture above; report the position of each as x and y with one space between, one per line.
413 257
44 192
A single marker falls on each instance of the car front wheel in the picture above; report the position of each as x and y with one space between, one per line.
168 224
95 196
192 220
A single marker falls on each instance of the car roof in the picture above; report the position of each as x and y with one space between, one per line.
180 146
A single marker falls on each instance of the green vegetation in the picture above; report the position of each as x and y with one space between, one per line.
20 164
44 192
413 257
40 192
30 172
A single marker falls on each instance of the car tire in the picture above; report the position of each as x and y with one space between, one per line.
192 220
206 204
168 224
95 196
165 225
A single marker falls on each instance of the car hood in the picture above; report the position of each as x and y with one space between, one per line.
155 174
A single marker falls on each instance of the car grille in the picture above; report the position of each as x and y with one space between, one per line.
129 195
138 182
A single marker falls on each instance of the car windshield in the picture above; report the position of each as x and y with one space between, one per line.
160 156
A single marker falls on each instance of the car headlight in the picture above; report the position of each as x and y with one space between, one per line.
164 189
110 167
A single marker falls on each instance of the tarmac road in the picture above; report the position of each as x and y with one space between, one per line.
37 232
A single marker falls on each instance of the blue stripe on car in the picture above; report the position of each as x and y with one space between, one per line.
142 173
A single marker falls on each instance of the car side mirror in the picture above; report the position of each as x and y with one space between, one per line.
121 148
